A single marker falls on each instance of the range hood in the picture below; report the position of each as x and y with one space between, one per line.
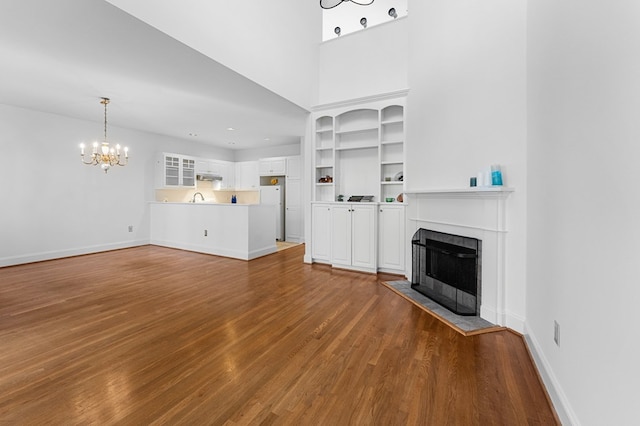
208 177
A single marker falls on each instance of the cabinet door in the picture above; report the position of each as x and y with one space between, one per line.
188 172
363 236
341 234
391 237
294 167
321 232
171 170
247 175
279 167
273 167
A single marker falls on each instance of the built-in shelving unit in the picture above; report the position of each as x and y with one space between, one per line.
360 151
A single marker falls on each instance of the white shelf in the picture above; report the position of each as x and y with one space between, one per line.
358 130
393 182
398 121
462 190
324 183
324 166
349 148
386 163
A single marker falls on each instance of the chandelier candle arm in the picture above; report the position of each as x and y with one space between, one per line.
108 156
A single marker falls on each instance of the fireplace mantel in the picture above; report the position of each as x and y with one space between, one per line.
478 212
479 191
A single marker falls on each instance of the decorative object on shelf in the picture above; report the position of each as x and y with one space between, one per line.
473 182
234 200
340 198
389 199
393 13
330 4
106 156
274 181
399 198
496 175
325 179
399 177
387 179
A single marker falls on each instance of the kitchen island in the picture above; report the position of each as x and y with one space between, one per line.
241 231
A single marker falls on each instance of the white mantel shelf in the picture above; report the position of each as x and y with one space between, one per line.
472 190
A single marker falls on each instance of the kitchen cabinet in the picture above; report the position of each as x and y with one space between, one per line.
224 169
391 238
354 236
175 171
273 166
294 167
293 210
321 232
247 175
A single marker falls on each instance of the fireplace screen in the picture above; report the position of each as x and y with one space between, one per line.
446 268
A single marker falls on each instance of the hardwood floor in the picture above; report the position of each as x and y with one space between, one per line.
151 335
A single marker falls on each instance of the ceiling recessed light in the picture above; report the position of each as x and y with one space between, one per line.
267 139
230 128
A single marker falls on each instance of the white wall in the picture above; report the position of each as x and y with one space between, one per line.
467 110
272 43
272 151
583 156
54 206
365 63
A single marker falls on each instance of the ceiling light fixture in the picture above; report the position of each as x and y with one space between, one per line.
363 22
107 156
330 4
392 13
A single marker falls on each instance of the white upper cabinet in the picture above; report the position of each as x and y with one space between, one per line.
294 167
247 175
175 171
273 166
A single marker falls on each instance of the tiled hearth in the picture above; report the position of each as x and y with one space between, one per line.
476 213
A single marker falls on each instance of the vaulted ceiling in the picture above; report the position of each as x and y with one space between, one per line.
62 56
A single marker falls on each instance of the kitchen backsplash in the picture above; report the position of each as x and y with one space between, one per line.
210 195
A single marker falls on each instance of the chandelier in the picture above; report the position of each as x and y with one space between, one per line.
329 4
105 156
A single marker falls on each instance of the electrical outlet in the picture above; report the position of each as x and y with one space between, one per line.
556 332
130 228
205 232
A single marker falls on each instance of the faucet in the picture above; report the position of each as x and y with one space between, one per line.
193 200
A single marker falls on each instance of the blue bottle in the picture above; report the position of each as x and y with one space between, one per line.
233 199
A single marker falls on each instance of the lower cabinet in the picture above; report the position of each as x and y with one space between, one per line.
353 236
391 238
321 232
366 237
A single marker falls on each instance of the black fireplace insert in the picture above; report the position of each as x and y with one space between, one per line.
446 268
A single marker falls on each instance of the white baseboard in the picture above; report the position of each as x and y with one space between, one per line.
558 398
58 254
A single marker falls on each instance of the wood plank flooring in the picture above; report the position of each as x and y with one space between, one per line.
151 335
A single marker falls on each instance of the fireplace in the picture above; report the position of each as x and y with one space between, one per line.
446 268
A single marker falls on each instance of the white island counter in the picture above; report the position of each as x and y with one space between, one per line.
241 231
